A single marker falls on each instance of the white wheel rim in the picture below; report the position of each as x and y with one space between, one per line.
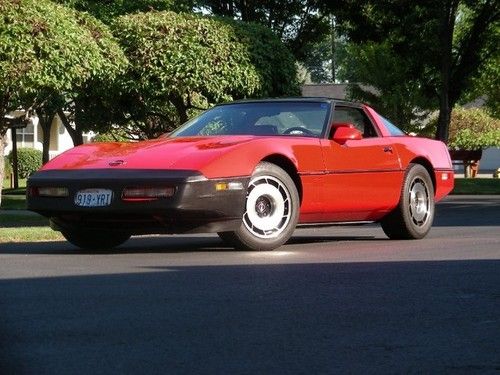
420 202
268 207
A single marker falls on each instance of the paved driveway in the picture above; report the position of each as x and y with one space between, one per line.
334 300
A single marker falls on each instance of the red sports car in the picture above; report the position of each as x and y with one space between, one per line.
252 171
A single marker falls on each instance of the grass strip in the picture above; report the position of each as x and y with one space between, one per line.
11 219
29 234
477 186
7 183
13 202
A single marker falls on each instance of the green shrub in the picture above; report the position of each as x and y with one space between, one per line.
470 129
29 161
473 129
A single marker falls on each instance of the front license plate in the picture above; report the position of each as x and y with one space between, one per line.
93 198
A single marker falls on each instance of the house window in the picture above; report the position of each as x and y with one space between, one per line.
26 136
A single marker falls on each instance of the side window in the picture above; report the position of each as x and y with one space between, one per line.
356 117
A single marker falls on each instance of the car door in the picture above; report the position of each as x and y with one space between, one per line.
363 177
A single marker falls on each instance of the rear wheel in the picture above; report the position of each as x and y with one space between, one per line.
95 239
413 217
271 211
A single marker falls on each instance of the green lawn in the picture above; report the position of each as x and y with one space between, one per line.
7 182
477 186
13 202
29 234
11 218
25 227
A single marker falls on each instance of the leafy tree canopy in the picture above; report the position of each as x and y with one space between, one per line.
108 10
444 43
382 78
45 46
297 22
181 63
47 49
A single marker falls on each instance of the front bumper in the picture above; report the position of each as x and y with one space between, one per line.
196 206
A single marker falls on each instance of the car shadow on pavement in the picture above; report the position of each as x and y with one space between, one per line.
161 244
377 317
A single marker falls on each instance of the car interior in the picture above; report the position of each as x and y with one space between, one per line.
356 117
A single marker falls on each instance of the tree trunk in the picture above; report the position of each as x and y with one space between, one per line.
46 125
3 140
76 136
446 40
180 107
46 142
443 125
15 162
3 132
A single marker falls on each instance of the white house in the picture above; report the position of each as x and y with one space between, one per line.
32 135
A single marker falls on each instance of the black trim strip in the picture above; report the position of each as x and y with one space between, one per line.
111 174
322 173
334 223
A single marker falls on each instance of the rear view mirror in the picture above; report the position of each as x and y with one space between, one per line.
343 132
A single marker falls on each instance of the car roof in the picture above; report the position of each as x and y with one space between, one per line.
301 99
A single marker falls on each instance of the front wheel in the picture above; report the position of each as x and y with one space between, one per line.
95 239
271 211
413 217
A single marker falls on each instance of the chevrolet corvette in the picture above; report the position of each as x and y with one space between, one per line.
251 171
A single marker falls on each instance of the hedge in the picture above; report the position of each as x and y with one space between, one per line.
29 160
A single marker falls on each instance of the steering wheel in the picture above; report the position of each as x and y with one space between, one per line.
298 129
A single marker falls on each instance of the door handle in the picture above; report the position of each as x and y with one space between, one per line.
388 149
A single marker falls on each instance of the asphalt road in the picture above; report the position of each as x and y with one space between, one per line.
333 300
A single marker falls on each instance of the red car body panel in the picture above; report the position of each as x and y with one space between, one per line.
375 184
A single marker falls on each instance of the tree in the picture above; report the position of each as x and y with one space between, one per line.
109 10
105 62
471 129
424 35
381 78
273 61
298 23
485 85
43 50
180 63
108 62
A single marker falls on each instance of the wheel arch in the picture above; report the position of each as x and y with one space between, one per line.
289 167
430 169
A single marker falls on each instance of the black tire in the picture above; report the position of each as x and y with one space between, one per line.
93 239
271 211
413 217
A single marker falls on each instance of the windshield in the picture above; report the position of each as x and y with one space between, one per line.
259 118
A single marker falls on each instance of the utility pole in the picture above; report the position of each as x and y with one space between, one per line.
332 35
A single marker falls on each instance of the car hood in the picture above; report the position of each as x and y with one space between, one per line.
163 153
